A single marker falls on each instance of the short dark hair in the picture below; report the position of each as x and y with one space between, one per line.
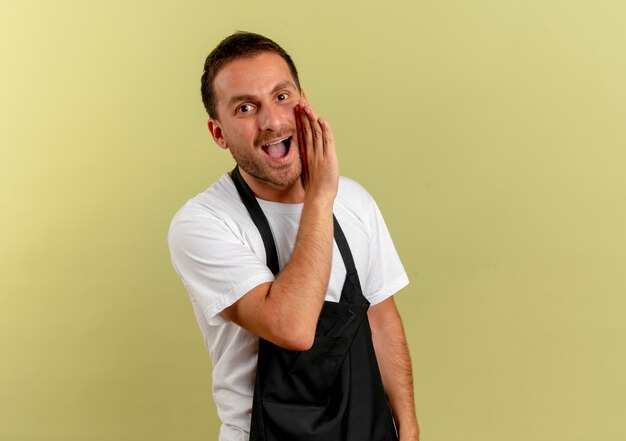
238 45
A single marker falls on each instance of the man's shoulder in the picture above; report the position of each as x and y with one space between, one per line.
217 198
354 206
217 205
352 194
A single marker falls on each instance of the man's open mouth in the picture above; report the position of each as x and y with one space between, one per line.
278 149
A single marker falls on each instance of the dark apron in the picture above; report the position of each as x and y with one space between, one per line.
333 391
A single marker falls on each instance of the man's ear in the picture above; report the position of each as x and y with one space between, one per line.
216 131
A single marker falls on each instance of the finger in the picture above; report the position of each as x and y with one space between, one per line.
316 130
302 145
307 133
328 137
299 130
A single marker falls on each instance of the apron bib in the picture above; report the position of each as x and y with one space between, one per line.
333 391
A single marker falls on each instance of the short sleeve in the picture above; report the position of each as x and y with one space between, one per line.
215 262
386 275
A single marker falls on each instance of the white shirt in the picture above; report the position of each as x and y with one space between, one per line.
219 255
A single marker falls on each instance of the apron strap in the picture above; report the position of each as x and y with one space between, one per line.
259 219
343 246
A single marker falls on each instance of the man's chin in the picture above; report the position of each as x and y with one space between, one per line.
277 181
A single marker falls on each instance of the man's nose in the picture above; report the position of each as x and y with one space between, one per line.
271 118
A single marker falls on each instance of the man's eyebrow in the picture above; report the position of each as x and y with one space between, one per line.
283 85
240 98
247 97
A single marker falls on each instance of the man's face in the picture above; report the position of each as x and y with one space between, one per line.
255 98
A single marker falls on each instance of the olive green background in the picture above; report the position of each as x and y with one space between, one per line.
492 134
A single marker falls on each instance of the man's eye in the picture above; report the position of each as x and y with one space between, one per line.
244 108
282 96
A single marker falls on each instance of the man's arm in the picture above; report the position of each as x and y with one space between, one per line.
395 366
286 310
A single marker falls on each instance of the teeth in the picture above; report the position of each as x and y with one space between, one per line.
277 142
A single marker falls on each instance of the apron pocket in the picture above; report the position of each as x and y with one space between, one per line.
301 423
310 377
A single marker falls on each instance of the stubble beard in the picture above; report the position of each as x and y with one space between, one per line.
280 176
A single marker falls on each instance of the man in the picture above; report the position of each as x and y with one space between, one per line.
282 258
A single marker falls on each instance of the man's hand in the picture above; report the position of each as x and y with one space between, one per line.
320 170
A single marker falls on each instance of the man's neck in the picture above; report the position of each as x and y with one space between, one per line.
293 194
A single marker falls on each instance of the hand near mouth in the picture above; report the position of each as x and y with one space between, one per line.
320 169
